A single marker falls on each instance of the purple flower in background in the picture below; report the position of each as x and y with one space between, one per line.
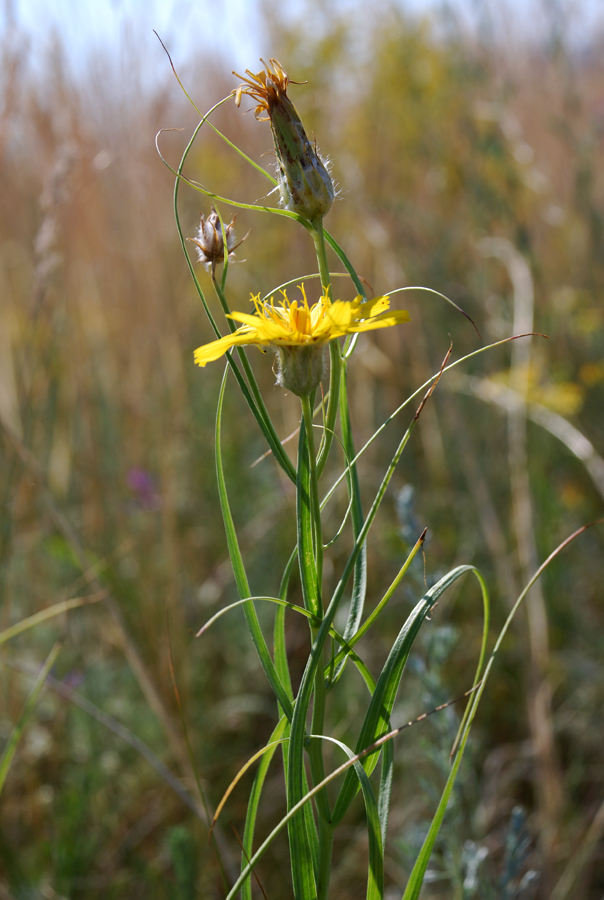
74 679
143 485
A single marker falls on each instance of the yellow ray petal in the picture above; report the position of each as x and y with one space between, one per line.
216 349
374 307
397 317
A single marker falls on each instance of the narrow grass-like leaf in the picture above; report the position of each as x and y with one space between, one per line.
329 778
416 879
275 741
355 638
359 582
385 791
280 733
49 613
375 879
375 874
346 262
428 290
239 569
303 867
15 736
377 719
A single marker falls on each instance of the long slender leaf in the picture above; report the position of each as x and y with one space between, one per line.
385 792
377 719
416 879
280 733
239 570
359 582
356 637
375 878
279 648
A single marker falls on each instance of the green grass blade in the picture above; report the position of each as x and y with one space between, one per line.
416 879
239 569
279 733
375 879
341 656
319 787
377 719
359 582
385 791
15 736
375 874
303 867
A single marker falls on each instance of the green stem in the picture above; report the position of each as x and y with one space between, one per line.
325 852
315 504
335 355
315 747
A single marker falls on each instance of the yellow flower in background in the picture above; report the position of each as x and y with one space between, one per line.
295 328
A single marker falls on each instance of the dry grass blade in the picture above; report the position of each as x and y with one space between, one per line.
49 613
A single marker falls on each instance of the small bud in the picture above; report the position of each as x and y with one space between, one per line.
300 367
304 182
210 242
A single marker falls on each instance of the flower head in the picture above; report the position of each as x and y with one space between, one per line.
295 326
210 242
304 182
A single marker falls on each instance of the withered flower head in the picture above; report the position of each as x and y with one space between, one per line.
210 243
304 182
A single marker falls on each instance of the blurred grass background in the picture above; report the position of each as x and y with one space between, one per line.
467 162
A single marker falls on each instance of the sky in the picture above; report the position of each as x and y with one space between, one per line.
234 26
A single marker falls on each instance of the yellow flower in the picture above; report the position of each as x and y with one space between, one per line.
298 325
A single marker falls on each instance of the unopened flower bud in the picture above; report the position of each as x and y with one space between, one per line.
210 242
304 182
300 367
